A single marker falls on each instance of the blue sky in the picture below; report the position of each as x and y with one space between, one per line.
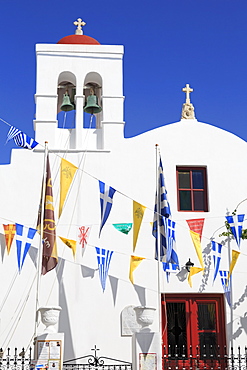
168 43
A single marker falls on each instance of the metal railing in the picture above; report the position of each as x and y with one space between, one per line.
207 357
91 362
17 360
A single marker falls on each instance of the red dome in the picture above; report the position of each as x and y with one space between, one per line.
78 39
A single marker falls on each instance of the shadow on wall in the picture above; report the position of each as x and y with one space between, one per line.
3 245
207 263
64 323
141 292
241 329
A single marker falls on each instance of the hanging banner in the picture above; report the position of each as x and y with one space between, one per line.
123 228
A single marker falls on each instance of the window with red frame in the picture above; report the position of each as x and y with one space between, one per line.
193 326
192 189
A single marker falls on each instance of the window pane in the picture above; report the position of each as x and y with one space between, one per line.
184 179
185 200
198 201
198 179
206 316
176 329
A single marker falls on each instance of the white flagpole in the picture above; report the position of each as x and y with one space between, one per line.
158 236
40 250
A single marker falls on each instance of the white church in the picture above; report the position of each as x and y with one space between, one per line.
153 315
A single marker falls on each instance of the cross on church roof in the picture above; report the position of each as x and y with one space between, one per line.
187 90
79 23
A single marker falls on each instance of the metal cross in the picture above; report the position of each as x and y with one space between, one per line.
187 90
79 23
95 349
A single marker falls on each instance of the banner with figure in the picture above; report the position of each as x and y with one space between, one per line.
49 254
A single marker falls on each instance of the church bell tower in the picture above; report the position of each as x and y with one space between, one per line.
78 73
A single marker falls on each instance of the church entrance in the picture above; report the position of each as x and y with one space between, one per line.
193 331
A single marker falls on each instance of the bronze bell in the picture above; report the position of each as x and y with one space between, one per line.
66 105
92 106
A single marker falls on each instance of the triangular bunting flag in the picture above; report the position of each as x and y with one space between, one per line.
193 271
216 250
67 173
106 198
24 237
235 255
9 231
70 243
84 234
138 213
196 225
134 263
123 228
226 285
236 225
197 244
104 258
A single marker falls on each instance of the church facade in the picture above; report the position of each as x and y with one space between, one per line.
196 304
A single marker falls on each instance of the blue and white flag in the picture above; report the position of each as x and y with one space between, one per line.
169 268
104 259
226 284
24 237
161 211
106 198
216 249
21 139
236 224
171 254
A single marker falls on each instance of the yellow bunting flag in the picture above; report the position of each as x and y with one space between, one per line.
70 243
67 172
138 213
193 271
197 244
235 255
9 231
134 263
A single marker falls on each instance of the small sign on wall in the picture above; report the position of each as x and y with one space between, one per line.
148 361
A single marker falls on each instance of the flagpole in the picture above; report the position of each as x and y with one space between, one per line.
158 238
231 291
40 250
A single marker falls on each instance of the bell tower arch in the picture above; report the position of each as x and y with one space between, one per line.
78 66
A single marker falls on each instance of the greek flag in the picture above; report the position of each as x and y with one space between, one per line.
106 198
236 224
171 254
21 139
24 237
162 206
226 285
104 259
216 249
